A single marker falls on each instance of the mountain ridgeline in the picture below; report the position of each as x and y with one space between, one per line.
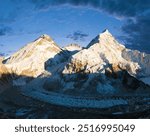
76 77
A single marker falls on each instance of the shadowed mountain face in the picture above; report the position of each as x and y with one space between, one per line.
104 78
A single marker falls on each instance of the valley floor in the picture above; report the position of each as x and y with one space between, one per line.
44 105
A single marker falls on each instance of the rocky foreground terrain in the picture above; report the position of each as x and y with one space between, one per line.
103 80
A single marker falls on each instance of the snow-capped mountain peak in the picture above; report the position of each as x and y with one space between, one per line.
44 40
75 76
105 51
105 39
30 60
105 31
46 37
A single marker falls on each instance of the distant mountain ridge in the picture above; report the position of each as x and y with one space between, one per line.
102 51
105 75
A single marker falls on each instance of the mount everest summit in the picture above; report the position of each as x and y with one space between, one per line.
76 77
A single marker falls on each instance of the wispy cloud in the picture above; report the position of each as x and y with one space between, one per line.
138 32
5 30
1 45
2 54
77 36
7 19
136 12
116 7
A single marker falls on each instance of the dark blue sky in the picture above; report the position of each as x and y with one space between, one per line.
73 21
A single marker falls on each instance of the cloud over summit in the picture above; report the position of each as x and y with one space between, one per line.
77 36
5 31
18 15
135 12
118 7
